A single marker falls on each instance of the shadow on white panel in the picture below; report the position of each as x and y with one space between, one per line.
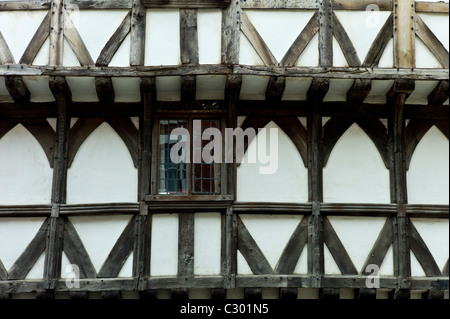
428 172
355 172
102 171
289 183
25 173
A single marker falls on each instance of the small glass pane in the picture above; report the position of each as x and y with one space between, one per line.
171 176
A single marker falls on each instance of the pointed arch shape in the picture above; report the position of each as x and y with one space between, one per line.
124 127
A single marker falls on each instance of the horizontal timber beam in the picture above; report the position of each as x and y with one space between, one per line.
218 69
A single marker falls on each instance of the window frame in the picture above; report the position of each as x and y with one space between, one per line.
189 195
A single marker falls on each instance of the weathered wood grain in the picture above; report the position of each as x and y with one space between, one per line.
36 42
116 40
302 41
76 252
404 34
251 252
380 43
257 41
186 244
345 43
18 89
432 42
119 253
56 36
423 254
381 246
439 94
28 258
138 21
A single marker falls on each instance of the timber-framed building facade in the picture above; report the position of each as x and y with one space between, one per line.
91 206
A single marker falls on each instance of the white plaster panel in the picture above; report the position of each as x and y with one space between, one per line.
15 235
25 174
247 54
387 58
427 177
69 58
39 88
355 172
4 94
424 57
102 171
122 56
358 239
207 243
164 246
209 25
302 264
99 235
296 88
242 266
254 87
270 24
331 268
421 91
387 266
310 56
436 21
338 55
288 184
168 88
42 56
338 90
82 88
37 271
377 94
271 233
162 42
435 234
211 87
17 37
85 21
127 89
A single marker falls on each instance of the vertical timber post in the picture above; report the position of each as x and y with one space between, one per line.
61 92
402 260
144 220
404 57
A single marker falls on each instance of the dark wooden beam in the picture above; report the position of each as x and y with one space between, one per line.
116 40
439 94
302 41
44 134
36 42
229 248
186 245
296 132
325 33
76 252
17 89
231 18
138 21
119 253
28 258
105 90
293 249
251 252
76 42
359 91
56 36
345 43
288 293
253 293
329 293
275 88
379 44
6 56
432 42
201 4
423 254
257 41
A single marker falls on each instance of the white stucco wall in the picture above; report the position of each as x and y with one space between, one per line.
427 177
164 247
207 243
102 170
25 173
288 184
355 172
